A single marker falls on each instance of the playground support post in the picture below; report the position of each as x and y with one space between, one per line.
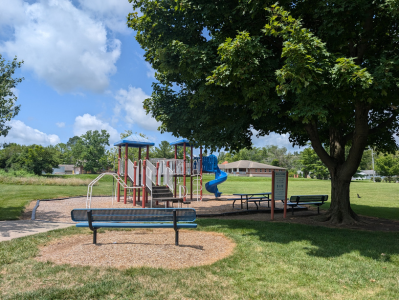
164 177
184 171
191 172
126 171
158 170
139 158
147 157
201 174
134 182
118 173
176 156
144 184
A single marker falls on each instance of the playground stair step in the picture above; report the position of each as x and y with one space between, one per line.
161 192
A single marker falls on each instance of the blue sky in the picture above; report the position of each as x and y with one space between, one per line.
83 70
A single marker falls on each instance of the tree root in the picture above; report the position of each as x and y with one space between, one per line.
338 218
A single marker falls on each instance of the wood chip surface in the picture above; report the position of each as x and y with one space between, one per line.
136 248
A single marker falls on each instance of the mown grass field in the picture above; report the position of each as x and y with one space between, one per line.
271 261
377 199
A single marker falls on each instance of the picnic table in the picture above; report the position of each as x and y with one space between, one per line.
251 197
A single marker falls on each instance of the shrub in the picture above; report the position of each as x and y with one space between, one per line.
378 179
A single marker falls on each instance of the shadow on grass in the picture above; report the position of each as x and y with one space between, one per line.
377 211
11 212
391 213
324 242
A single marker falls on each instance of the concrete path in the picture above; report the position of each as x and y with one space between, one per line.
14 229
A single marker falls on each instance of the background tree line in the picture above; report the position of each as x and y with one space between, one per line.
90 152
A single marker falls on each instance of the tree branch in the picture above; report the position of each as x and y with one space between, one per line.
312 131
359 140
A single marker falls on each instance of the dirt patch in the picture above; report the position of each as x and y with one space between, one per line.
152 248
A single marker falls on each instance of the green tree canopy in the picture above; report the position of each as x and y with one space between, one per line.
387 165
93 145
321 71
164 150
8 109
312 164
38 159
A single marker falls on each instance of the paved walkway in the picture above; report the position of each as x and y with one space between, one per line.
14 229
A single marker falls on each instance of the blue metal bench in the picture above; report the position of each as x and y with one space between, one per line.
317 200
134 218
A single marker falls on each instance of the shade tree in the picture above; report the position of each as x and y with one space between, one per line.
319 71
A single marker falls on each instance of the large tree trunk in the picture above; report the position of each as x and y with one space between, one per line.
340 210
340 168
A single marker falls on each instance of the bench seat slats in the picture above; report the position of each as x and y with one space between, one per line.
136 225
298 200
304 203
135 215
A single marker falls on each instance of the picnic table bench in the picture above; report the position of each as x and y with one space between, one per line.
258 197
316 200
134 218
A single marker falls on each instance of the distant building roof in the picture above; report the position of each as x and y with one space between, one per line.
135 141
67 167
367 172
244 164
224 163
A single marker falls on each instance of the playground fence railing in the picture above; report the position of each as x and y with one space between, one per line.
138 167
149 183
169 176
153 171
130 169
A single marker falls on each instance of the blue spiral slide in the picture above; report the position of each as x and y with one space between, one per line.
210 165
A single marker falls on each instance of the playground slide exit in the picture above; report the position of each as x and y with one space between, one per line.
210 164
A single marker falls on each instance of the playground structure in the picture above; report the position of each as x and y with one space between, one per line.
162 179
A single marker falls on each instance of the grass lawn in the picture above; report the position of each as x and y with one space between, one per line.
377 199
14 198
271 261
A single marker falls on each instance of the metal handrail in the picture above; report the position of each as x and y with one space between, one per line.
90 187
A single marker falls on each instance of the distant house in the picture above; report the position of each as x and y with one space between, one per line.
67 170
249 168
364 175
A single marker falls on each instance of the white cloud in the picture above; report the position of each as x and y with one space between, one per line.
25 135
12 12
61 44
281 140
88 122
130 103
112 12
60 124
150 71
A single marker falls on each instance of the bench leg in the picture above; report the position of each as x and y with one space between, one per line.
94 236
175 228
318 209
292 210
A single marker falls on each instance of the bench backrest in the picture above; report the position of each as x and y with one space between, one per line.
134 214
308 198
